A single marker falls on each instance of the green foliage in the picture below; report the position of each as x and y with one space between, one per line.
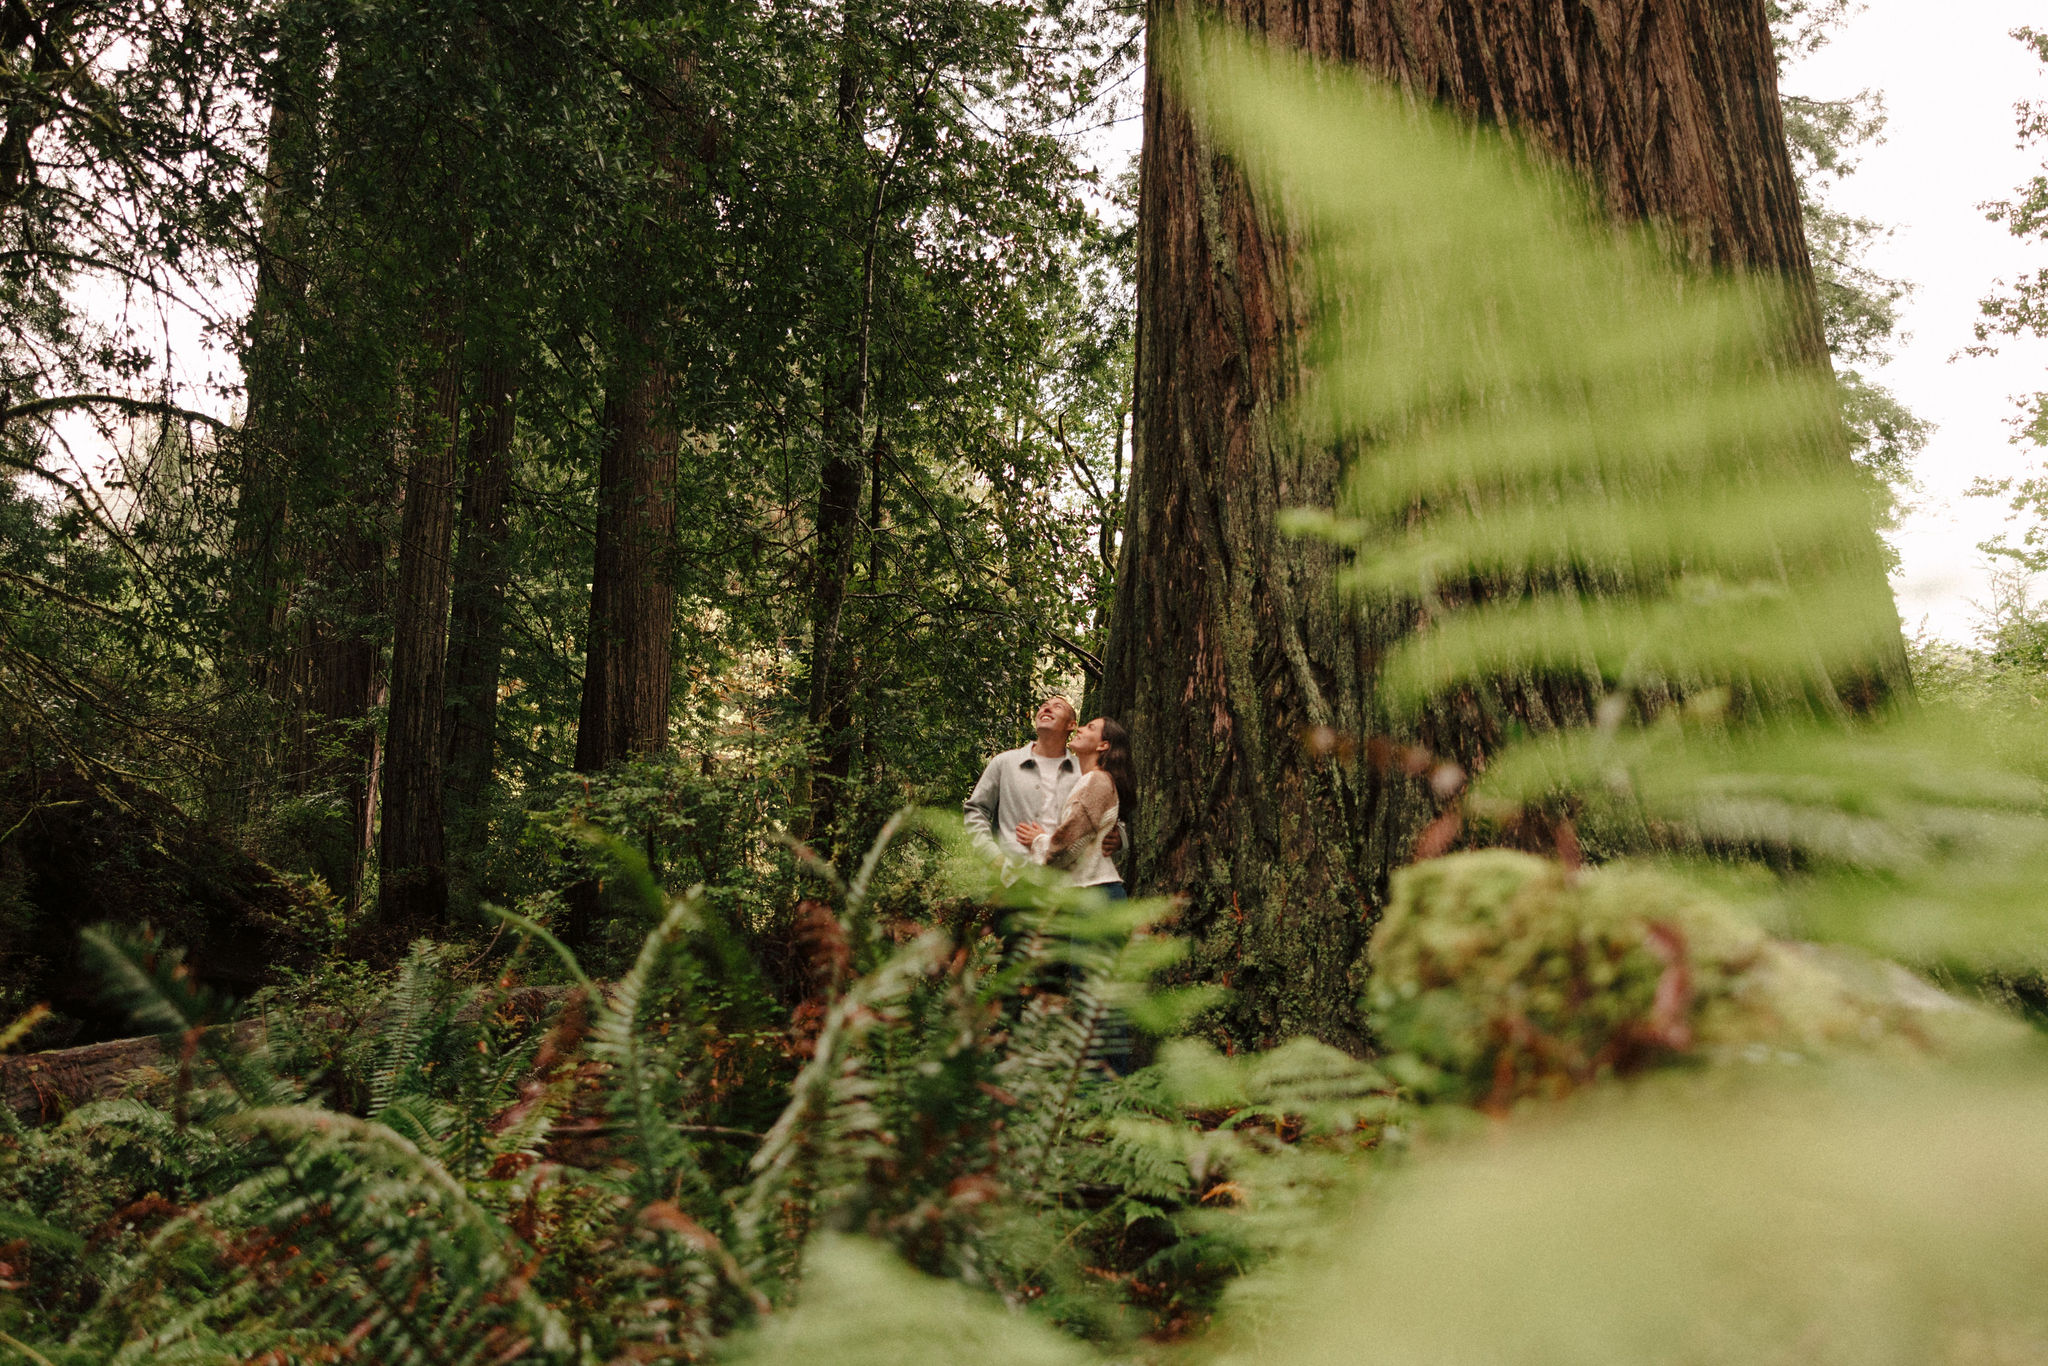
863 1307
459 1185
709 819
1524 455
1622 529
2006 672
853 1124
2019 308
771 199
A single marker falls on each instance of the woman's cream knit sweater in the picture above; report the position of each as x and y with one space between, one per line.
1076 842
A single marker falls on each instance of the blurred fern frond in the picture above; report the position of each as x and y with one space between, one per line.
1613 503
1572 460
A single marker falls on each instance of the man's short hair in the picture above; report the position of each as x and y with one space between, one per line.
1073 712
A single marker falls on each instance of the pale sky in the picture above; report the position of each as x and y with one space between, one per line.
1950 77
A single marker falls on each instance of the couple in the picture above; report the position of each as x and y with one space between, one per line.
1058 800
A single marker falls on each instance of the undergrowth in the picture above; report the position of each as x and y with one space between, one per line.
645 1172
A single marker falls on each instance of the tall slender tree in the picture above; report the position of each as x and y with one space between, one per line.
843 472
412 850
477 631
628 660
1247 682
628 673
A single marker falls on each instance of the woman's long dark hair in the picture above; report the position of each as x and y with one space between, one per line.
1115 760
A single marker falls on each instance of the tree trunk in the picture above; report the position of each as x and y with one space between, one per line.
628 656
830 705
336 677
843 429
271 362
628 659
412 861
1229 643
477 631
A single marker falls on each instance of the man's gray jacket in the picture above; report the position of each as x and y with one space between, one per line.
1009 792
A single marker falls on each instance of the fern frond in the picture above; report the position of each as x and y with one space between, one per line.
1582 465
1046 1069
638 1100
402 1026
1755 634
809 860
431 1269
23 1026
16 1224
777 1164
863 878
1615 451
533 929
152 982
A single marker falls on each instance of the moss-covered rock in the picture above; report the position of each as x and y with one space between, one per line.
1498 975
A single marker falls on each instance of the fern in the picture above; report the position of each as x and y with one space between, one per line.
512 1194
641 1094
379 1242
402 1028
1579 468
433 1274
1624 523
152 982
785 1162
1546 408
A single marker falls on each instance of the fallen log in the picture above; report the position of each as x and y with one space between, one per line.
41 1088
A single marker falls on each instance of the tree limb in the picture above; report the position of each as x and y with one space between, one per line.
38 407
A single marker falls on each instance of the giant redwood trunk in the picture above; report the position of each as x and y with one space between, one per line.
335 668
628 658
1229 643
412 858
476 644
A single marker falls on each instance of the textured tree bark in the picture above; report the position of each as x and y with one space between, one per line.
628 662
1229 644
477 631
272 344
336 673
310 616
412 858
628 674
628 659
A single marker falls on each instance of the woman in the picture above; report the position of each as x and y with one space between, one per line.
1103 796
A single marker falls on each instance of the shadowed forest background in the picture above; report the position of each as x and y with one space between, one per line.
507 763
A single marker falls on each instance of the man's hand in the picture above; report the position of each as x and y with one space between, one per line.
1114 840
1027 831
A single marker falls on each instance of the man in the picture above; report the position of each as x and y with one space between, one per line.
1029 785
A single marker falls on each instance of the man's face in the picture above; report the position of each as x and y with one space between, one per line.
1055 717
